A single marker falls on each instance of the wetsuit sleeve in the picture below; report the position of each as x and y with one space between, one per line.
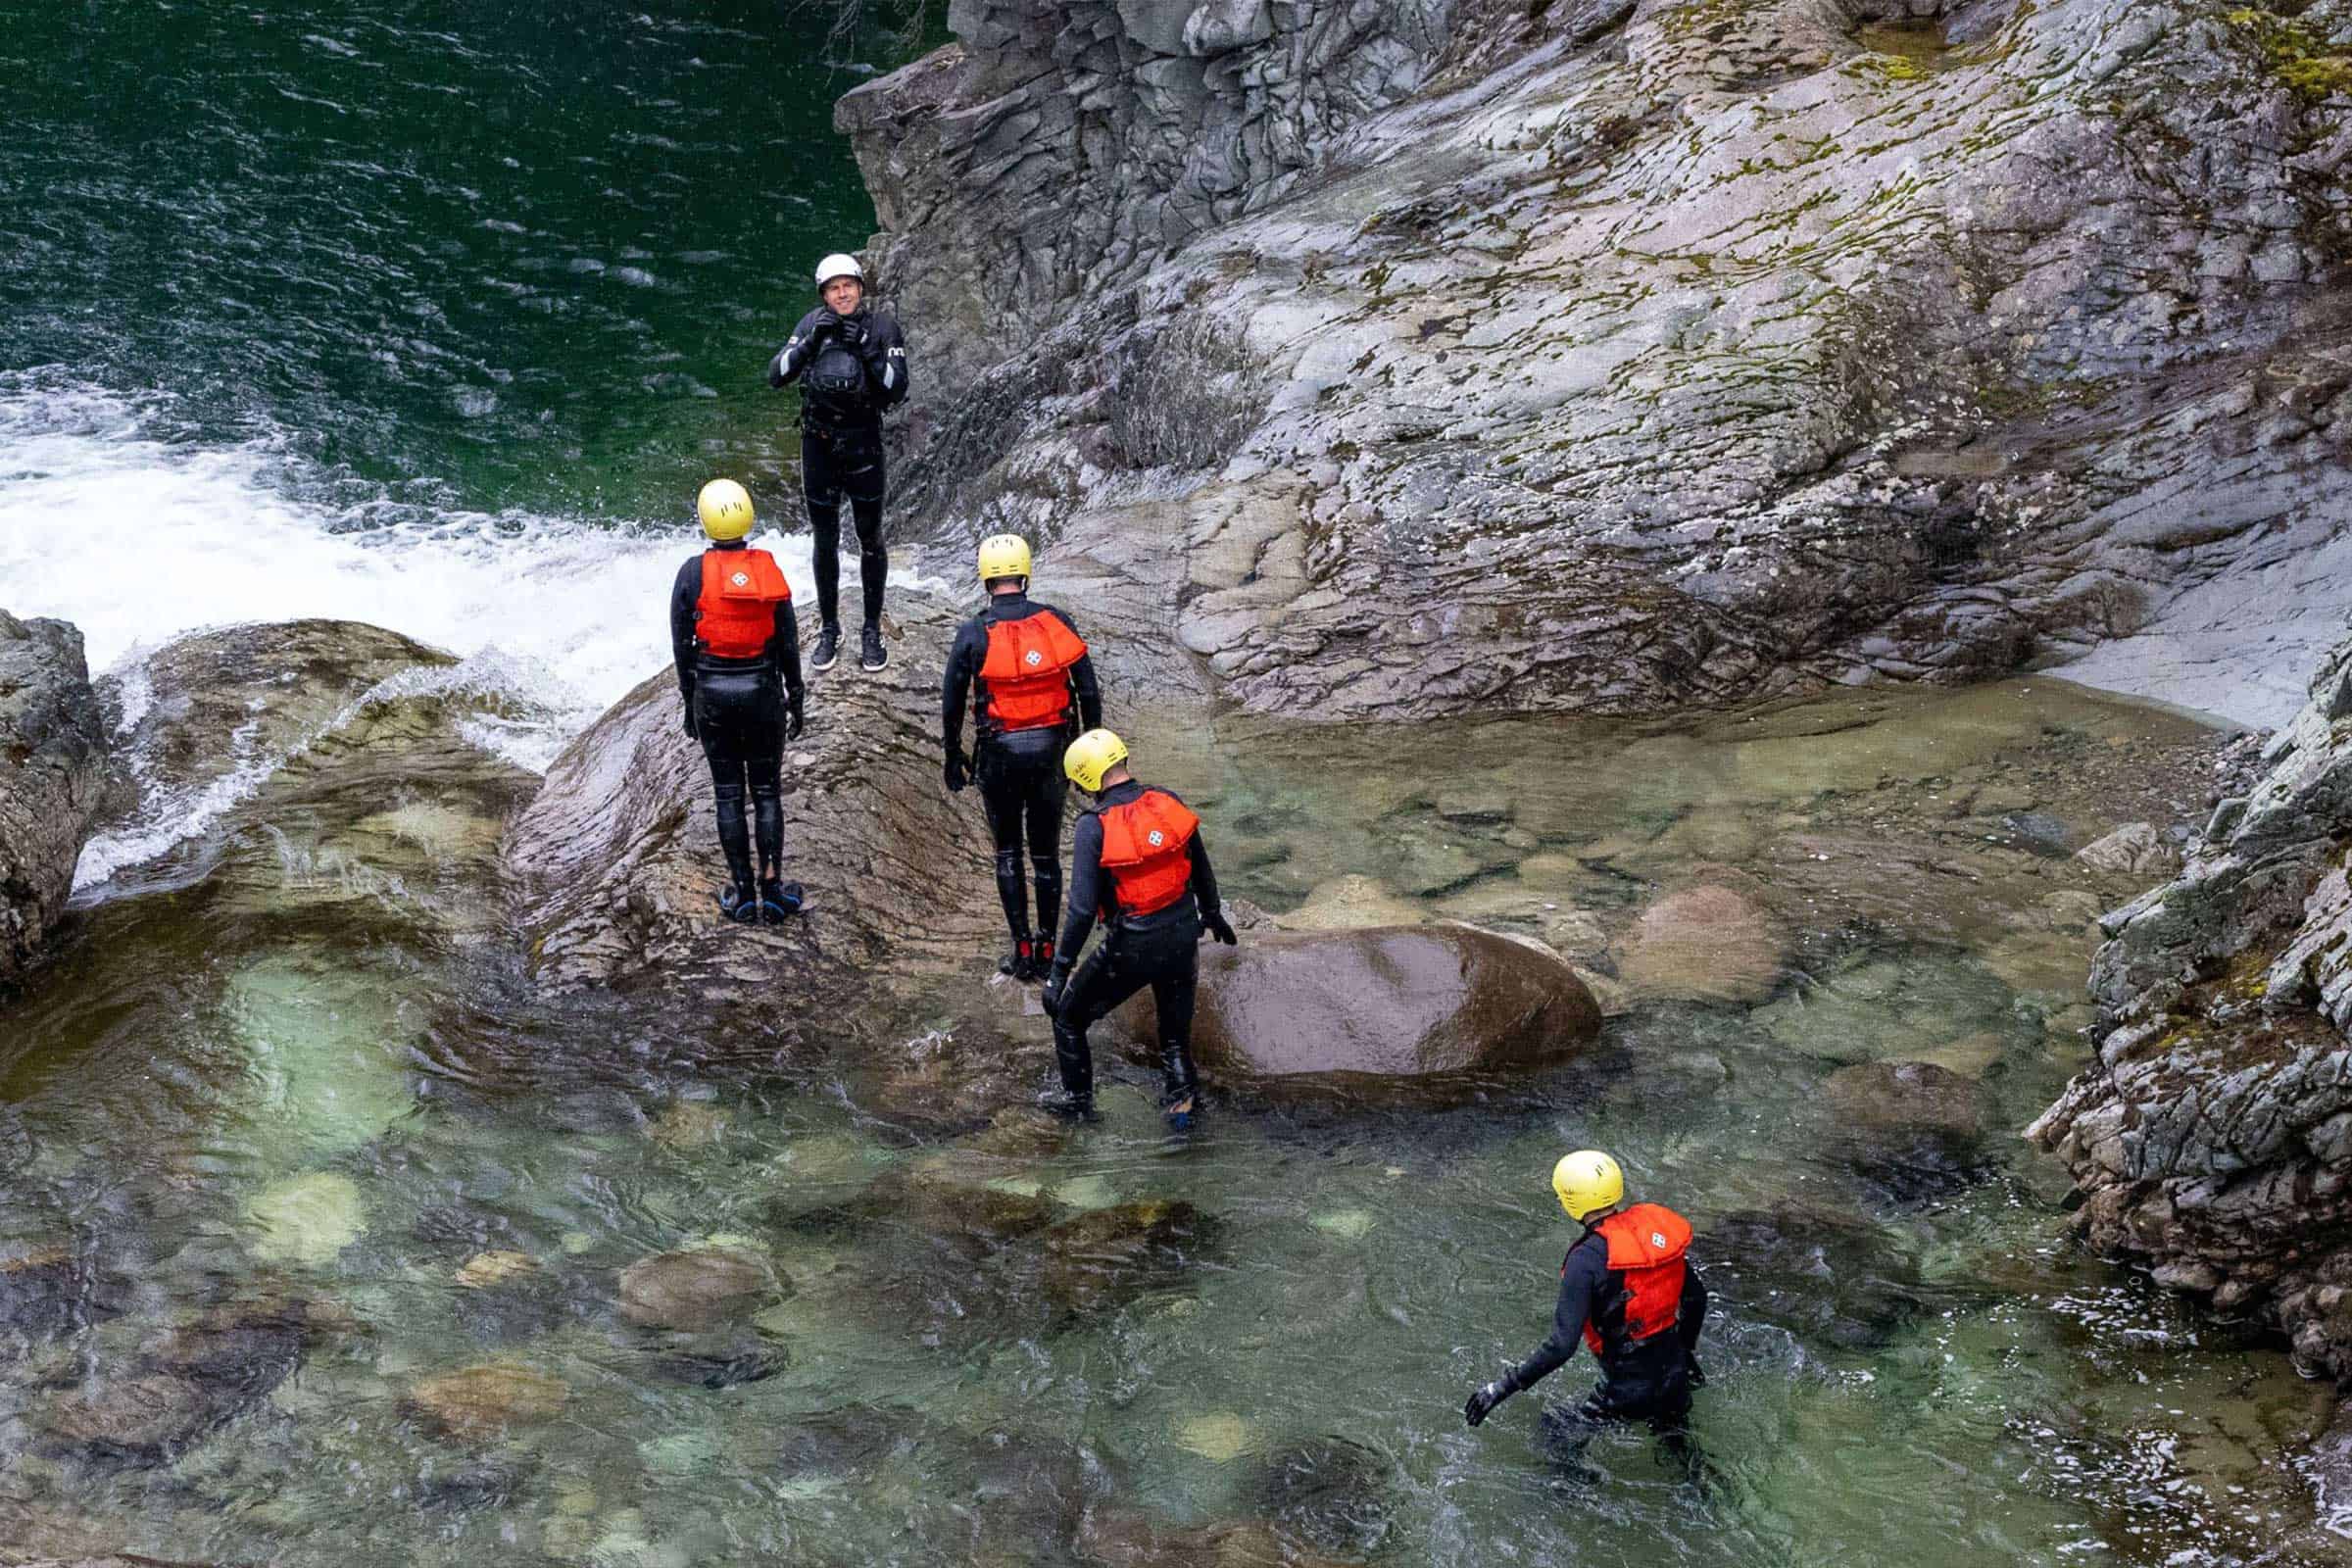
955 685
1086 889
886 359
1692 1313
793 358
1084 683
1576 1283
1204 876
785 649
685 597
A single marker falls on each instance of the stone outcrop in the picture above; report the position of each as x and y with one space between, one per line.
618 867
2212 1140
1419 1011
53 742
1620 354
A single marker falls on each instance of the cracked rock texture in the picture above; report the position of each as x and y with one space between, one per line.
1621 355
52 779
2213 1137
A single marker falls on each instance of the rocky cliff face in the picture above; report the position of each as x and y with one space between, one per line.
53 743
2213 1137
1619 356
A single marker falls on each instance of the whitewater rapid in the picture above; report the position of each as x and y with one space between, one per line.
108 521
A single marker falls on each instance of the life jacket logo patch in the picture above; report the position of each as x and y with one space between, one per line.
742 579
1156 838
1657 1241
1035 658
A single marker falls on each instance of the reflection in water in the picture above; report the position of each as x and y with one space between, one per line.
325 1242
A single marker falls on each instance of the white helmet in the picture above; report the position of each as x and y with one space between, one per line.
838 266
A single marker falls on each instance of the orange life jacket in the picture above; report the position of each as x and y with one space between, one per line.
1646 1243
1025 680
1145 850
736 616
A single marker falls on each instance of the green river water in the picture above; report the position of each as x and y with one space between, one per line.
287 1142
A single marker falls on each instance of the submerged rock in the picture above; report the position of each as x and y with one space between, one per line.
1827 1275
1708 943
696 1289
476 1403
1420 1011
1107 1257
2211 1138
53 739
306 1219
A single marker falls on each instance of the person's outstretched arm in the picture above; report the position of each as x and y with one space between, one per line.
1576 1283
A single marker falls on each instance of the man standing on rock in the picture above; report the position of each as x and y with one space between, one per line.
738 653
1629 1290
1025 673
1137 863
850 362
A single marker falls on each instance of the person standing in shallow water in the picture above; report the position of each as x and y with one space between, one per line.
850 363
738 653
1630 1292
1138 864
1025 673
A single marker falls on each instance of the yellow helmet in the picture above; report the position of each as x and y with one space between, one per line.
1091 756
726 509
1003 555
1588 1181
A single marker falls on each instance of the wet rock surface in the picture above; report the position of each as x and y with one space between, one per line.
2212 1139
618 862
1412 1011
53 743
1545 371
476 1404
1815 1270
696 1289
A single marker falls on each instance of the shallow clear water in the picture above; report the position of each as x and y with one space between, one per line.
262 1088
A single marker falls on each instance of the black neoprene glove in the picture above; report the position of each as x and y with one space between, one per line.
1483 1403
851 330
796 718
690 717
1055 984
956 774
1217 925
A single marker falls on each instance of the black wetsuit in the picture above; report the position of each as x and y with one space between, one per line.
739 708
850 369
1160 949
1019 771
1644 1380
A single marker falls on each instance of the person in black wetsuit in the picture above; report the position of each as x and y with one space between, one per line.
738 655
1138 862
1025 672
850 362
1630 1292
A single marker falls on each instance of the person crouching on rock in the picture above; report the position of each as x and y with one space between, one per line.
1630 1292
1138 863
850 362
1024 669
738 653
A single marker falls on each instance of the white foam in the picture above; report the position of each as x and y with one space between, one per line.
572 612
563 614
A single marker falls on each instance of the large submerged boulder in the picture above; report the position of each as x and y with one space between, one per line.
53 741
1420 1010
2212 1139
1617 354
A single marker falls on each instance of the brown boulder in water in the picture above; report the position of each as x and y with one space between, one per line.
1419 1008
477 1402
698 1289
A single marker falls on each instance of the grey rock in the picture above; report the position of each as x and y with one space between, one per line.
1580 388
2132 849
2212 1139
53 741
